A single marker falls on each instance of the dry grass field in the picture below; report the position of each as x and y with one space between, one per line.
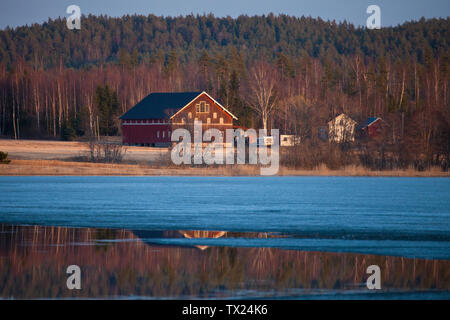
38 157
66 150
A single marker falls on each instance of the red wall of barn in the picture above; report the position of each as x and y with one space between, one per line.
375 128
146 131
143 132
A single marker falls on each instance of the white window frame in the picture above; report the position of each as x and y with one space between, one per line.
198 107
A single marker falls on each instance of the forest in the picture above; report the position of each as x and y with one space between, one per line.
57 83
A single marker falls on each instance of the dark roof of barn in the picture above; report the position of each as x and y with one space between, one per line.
367 123
160 105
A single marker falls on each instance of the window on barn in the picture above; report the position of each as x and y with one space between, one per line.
208 121
221 120
197 107
215 115
164 134
157 134
190 115
202 106
207 107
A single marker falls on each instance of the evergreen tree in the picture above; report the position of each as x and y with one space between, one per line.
107 106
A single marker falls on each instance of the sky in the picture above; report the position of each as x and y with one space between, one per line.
393 12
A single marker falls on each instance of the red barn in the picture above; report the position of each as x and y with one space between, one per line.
373 127
152 120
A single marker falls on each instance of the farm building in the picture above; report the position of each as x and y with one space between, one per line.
152 120
289 140
372 127
341 129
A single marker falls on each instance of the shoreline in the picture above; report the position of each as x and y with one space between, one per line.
63 158
19 167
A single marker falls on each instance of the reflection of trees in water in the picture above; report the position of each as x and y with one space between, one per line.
261 256
35 259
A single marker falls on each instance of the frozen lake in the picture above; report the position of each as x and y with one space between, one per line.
392 216
225 237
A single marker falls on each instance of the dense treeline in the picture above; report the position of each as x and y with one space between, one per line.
151 38
57 83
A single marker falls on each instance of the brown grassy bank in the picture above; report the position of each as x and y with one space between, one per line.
19 167
41 157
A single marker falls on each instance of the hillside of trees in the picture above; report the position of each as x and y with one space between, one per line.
136 39
56 82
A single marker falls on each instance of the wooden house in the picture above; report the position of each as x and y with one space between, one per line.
152 121
341 129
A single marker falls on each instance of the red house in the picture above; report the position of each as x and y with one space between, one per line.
152 120
373 127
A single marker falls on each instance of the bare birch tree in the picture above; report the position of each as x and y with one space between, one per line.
263 93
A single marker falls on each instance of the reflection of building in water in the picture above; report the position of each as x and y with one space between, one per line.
128 268
195 234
